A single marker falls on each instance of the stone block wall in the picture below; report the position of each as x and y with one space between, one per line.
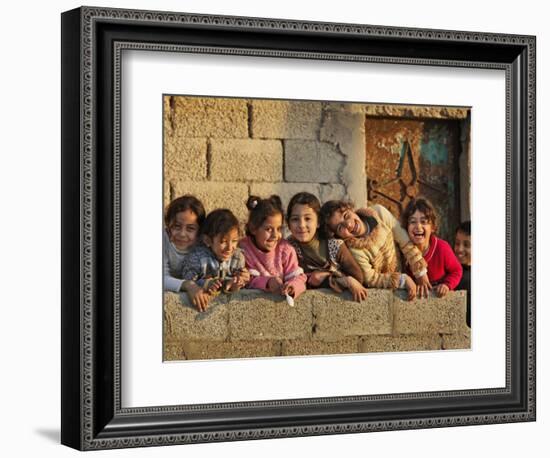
254 324
224 150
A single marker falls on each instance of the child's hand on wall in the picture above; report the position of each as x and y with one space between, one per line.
441 290
274 285
198 297
243 278
213 287
237 282
316 278
423 286
411 287
357 290
287 289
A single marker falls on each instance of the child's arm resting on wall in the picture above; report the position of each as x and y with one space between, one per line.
413 256
371 277
191 271
171 283
197 295
349 264
258 281
294 277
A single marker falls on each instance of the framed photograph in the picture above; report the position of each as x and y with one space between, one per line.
221 152
160 106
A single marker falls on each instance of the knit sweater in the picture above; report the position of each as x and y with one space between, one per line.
280 262
201 265
172 261
376 254
443 266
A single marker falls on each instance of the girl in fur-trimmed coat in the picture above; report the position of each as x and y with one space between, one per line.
371 235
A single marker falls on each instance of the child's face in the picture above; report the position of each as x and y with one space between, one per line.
303 223
223 245
463 248
183 229
269 233
420 229
346 224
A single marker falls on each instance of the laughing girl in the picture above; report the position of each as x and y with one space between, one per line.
444 269
371 234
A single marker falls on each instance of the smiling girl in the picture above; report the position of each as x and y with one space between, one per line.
217 264
272 261
444 270
371 234
327 262
182 220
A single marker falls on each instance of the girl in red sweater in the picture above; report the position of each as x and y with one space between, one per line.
444 269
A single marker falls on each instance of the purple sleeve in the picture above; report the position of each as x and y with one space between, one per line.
258 283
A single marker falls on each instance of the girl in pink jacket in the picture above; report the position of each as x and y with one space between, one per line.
271 260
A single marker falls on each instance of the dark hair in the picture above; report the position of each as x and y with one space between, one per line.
423 205
219 222
465 227
304 198
261 209
182 204
327 210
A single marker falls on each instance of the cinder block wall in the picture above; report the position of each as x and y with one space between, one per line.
224 150
254 324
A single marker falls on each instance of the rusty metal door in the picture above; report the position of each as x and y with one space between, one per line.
410 158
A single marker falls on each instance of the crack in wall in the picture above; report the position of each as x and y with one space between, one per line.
283 146
172 114
208 159
250 113
172 190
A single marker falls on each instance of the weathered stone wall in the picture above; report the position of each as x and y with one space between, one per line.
224 150
254 324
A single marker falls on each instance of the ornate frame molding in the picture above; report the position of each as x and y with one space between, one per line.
100 427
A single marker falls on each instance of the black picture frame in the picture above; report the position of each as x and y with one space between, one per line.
92 416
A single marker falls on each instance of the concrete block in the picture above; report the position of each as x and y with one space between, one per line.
246 160
210 117
184 321
217 195
166 193
173 350
333 192
459 341
371 344
285 119
184 158
312 162
337 315
445 315
284 190
254 315
318 347
194 349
